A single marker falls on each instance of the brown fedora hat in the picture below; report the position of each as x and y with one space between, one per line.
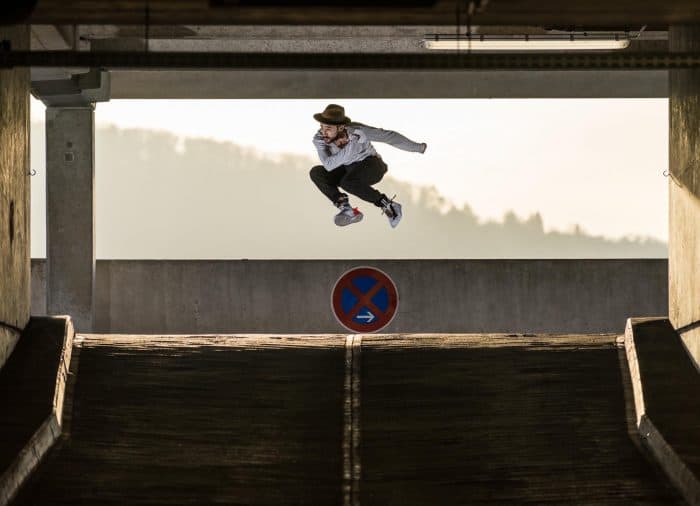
333 114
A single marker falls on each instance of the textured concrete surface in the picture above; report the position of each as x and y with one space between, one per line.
190 420
440 419
32 388
441 426
691 341
192 296
80 89
135 84
70 219
666 389
14 196
395 38
621 13
684 201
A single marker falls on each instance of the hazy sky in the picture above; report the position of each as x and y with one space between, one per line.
595 162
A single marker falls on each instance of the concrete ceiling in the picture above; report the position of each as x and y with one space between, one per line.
309 83
657 14
324 39
197 26
296 38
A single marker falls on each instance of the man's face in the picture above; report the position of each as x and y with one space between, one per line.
331 132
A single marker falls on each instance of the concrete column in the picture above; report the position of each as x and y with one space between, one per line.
684 192
14 196
70 223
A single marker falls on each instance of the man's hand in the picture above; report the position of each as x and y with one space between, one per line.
424 146
342 139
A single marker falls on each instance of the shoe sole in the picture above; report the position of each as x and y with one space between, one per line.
343 220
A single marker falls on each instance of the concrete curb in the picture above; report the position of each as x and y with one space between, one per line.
49 431
673 465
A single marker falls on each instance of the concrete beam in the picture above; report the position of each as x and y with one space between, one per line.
50 37
435 62
79 90
139 84
70 213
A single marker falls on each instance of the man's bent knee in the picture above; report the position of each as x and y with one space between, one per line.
317 172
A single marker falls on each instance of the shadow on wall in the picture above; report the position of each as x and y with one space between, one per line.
159 197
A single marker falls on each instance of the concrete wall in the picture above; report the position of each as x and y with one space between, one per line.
193 296
684 198
14 196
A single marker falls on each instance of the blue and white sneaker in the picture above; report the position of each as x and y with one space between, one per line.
392 210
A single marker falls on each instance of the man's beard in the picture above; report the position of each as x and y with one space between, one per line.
339 135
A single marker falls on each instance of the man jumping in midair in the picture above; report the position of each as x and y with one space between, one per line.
349 161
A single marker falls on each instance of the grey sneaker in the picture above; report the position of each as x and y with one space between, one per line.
348 215
392 210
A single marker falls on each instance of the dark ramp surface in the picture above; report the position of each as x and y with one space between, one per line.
28 384
259 420
671 387
498 420
200 420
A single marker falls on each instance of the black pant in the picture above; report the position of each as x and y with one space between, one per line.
355 178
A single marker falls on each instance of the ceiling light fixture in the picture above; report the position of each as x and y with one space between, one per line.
572 42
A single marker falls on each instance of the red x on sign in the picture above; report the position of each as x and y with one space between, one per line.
364 300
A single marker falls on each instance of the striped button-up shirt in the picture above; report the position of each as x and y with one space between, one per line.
359 145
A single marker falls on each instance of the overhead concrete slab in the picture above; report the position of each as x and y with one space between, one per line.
329 39
503 12
291 84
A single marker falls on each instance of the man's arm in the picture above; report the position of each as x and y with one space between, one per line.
330 161
390 137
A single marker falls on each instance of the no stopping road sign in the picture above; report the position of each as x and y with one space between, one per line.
364 300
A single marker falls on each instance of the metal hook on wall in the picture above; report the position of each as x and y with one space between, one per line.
668 173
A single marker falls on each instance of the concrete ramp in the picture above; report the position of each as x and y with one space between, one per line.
385 420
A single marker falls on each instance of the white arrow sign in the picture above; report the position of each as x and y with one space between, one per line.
369 317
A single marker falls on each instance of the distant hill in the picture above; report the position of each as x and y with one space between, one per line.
160 198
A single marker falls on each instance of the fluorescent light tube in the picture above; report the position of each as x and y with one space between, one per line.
531 44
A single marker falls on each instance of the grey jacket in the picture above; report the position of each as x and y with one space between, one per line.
360 146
